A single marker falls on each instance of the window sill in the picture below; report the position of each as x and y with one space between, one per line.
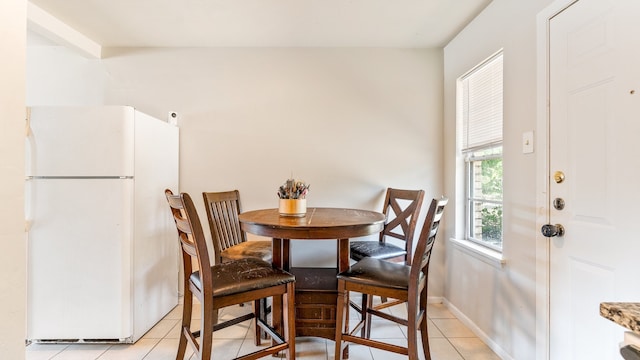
489 256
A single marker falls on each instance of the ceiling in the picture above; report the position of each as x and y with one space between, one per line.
266 23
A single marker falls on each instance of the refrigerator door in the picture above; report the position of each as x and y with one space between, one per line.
79 259
80 141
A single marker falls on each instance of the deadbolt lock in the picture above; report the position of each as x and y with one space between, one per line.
558 177
558 203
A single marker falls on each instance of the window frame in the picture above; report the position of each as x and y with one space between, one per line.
472 148
470 197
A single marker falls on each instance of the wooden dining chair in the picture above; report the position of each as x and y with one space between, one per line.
401 209
225 284
371 276
229 241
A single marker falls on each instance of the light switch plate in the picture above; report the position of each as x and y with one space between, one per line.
527 142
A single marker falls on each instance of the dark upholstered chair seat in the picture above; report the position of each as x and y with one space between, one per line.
375 249
260 249
243 275
379 273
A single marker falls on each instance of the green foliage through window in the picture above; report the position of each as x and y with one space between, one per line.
492 225
485 196
492 178
492 189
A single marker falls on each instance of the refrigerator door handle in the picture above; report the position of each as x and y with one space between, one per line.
27 129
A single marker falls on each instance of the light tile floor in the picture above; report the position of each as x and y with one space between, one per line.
449 339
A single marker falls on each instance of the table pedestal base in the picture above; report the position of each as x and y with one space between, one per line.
316 298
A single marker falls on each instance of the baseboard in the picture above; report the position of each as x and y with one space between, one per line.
476 330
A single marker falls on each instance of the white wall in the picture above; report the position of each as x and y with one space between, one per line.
13 17
351 122
498 302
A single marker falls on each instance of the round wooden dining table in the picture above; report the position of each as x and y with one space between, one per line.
316 288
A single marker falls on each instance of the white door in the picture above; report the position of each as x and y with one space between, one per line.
594 74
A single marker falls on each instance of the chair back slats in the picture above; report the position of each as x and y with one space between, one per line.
197 234
226 226
403 218
174 201
427 238
192 240
401 209
187 245
223 209
183 225
177 210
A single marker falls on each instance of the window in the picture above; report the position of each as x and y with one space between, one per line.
481 112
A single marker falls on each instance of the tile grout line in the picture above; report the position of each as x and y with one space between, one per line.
248 336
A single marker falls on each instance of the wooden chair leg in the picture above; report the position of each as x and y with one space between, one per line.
412 331
342 312
257 310
277 321
187 309
424 334
345 320
206 331
264 312
363 313
367 303
424 330
289 320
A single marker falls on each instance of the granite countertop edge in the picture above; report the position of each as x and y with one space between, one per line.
625 314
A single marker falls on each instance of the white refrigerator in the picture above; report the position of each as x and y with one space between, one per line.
102 246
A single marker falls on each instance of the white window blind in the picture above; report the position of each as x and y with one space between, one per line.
482 105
